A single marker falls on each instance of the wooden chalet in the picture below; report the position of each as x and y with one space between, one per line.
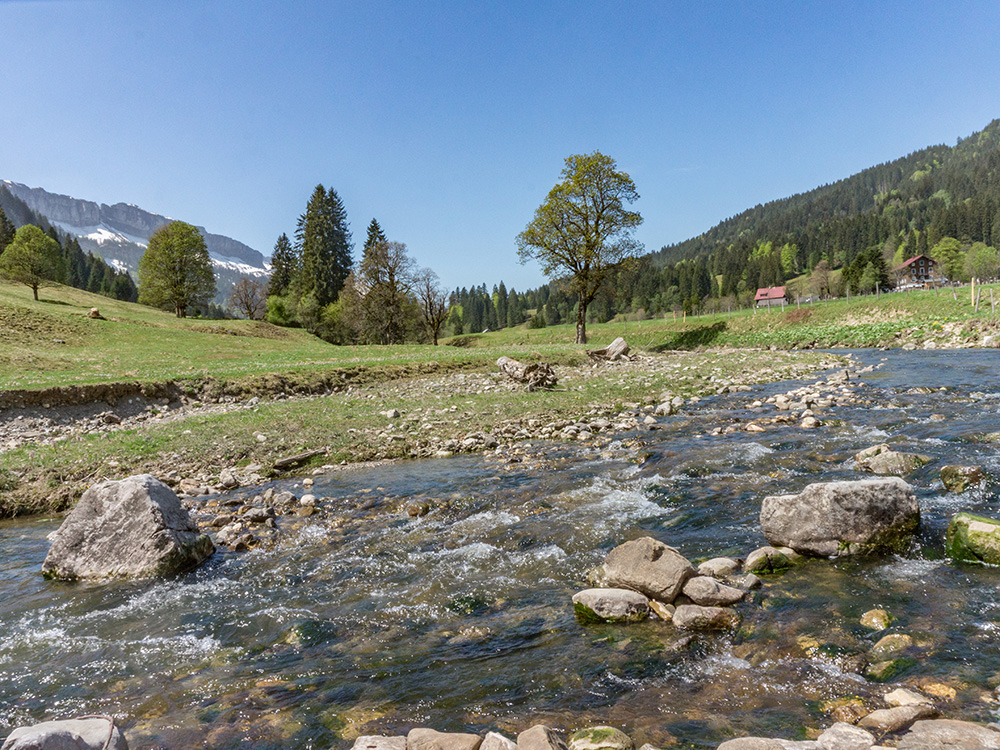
772 296
920 270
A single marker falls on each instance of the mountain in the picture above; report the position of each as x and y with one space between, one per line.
119 233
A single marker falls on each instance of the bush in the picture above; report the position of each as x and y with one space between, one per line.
537 320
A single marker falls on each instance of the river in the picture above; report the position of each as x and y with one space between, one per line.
370 621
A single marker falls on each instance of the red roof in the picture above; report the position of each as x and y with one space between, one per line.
771 292
911 261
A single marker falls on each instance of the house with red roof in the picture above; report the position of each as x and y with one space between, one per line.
770 296
919 270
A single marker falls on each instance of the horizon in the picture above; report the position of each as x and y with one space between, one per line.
450 124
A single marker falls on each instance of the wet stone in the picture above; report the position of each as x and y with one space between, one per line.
379 742
600 738
708 592
876 619
896 719
540 737
430 739
610 605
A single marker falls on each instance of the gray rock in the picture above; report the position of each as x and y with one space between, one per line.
843 518
133 528
228 480
766 560
708 592
431 739
764 743
379 742
74 734
695 617
947 734
610 605
719 567
882 460
904 697
495 741
845 737
600 738
540 737
647 566
887 720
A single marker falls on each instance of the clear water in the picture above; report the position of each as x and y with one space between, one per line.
367 621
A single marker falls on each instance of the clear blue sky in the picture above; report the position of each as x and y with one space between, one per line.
450 121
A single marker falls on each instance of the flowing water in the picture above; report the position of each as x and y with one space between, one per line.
369 621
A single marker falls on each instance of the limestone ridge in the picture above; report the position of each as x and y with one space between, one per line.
119 233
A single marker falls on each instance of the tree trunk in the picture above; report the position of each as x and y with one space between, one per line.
34 288
581 323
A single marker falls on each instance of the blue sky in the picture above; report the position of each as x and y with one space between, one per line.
450 121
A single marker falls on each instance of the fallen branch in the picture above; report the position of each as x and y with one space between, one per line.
290 461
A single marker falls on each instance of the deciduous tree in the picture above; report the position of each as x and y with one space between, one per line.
433 302
176 269
33 259
583 230
385 282
249 298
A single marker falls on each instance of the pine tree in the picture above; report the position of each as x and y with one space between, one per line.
375 235
284 266
325 245
6 231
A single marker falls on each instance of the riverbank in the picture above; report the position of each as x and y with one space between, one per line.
53 452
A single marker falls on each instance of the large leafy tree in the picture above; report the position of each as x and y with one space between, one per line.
284 266
176 269
583 230
324 241
385 282
32 258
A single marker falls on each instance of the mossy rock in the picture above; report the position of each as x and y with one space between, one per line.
600 738
960 478
884 671
972 538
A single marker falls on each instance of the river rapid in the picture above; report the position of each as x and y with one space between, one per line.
366 621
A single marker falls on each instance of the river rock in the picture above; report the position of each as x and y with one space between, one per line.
708 592
430 739
843 736
876 619
766 560
973 539
960 478
133 528
496 741
842 518
610 605
890 645
695 617
379 742
882 460
889 720
73 734
947 734
540 737
719 567
647 566
904 697
764 743
600 738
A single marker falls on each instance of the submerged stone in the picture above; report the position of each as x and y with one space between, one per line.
876 619
973 539
766 560
960 478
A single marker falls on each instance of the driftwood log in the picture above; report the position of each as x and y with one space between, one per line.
535 375
290 461
618 349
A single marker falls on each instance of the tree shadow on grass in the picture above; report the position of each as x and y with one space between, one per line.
700 336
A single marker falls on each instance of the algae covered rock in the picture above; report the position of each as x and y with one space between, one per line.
960 478
876 619
973 539
882 460
600 738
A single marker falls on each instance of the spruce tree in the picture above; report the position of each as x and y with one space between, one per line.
375 235
284 266
325 245
6 231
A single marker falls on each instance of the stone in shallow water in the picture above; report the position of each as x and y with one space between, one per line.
133 528
540 737
610 605
430 739
887 720
718 567
960 478
945 734
904 697
496 741
708 592
694 617
876 619
74 734
973 539
766 560
379 742
845 737
843 518
648 566
600 738
890 645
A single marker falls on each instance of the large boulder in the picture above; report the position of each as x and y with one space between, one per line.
600 738
540 737
647 566
73 734
947 734
134 528
973 539
843 518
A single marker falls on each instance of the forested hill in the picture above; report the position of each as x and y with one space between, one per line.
936 192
